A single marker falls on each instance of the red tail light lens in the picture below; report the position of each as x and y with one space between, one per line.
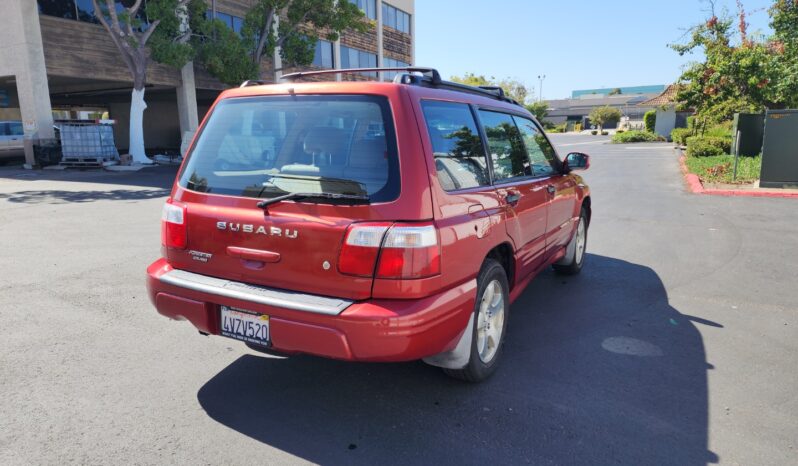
410 251
402 251
360 249
173 225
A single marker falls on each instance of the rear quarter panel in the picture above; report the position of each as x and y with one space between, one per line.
470 221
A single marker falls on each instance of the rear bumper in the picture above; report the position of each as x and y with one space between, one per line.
371 330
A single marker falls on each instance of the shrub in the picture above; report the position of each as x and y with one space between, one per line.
722 144
594 132
650 120
720 169
619 131
680 135
604 133
722 130
636 136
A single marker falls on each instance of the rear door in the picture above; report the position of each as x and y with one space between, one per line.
524 195
257 148
561 188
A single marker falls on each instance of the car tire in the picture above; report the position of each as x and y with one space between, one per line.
573 264
491 310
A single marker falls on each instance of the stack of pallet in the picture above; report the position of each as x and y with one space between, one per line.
88 144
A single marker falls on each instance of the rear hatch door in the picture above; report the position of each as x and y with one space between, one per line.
256 148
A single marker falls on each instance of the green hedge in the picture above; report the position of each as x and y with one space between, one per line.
698 146
636 136
680 135
650 120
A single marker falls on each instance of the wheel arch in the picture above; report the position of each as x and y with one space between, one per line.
504 255
586 203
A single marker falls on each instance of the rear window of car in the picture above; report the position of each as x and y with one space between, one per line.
272 145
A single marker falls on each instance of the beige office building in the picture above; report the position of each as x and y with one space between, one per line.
57 63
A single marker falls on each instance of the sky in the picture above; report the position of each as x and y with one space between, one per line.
577 44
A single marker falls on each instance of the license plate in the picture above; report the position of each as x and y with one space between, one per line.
247 326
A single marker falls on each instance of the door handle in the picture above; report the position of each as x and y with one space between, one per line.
253 254
512 198
551 189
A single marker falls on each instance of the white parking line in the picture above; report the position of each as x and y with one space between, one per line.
582 143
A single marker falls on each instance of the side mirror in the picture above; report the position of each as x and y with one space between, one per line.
576 161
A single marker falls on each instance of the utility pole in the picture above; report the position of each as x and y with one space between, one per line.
540 94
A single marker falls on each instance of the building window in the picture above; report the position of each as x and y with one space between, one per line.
369 7
354 58
238 23
391 63
86 11
395 18
233 22
323 58
58 8
83 10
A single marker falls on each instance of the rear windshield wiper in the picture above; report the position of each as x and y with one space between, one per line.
332 196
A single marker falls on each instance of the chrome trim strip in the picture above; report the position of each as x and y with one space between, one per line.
256 294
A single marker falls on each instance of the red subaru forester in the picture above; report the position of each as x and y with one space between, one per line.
367 221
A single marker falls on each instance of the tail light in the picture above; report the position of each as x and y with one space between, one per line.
173 225
361 248
410 252
401 251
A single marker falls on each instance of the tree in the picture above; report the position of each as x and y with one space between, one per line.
601 116
739 73
291 26
131 37
539 109
472 79
182 24
513 88
616 91
784 21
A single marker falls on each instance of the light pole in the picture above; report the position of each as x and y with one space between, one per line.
540 94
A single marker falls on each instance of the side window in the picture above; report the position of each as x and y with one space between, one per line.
506 146
15 128
541 153
457 147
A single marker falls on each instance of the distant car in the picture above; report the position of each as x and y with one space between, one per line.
368 221
11 140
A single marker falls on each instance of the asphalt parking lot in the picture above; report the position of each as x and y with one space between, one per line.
678 344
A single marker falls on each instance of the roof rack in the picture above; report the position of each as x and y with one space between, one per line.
253 82
494 92
432 72
414 75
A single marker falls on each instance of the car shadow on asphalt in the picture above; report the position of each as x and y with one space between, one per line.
160 176
597 369
65 197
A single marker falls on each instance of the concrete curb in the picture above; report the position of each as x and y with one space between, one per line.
696 187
